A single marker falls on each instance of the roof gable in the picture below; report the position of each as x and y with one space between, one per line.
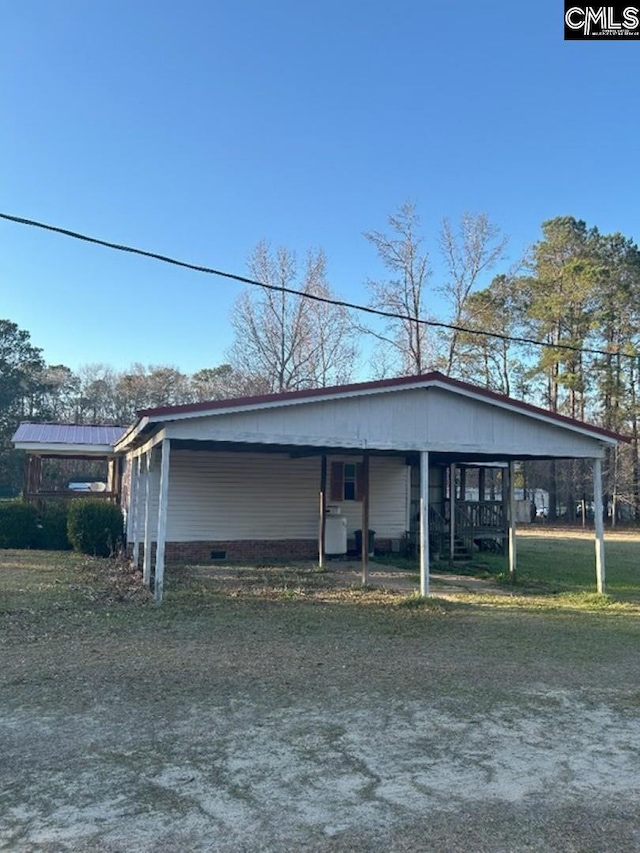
433 379
411 419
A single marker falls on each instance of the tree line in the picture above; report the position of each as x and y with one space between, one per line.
576 290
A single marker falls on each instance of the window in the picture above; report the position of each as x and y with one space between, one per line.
349 482
346 481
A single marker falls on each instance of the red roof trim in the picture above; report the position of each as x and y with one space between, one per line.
529 407
398 382
308 393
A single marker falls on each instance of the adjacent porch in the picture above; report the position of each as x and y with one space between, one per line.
64 461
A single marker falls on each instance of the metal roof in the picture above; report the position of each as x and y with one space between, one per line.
424 380
84 434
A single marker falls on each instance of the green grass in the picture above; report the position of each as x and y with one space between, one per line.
69 599
564 562
556 562
555 571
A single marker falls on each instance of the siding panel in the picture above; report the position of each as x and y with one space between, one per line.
388 487
434 419
235 496
254 496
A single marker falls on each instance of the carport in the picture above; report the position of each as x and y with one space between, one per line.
189 466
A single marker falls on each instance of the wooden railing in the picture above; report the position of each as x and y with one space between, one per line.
474 520
481 515
438 530
479 520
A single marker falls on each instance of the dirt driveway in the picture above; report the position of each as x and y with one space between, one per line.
255 721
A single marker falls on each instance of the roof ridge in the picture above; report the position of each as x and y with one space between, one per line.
72 423
299 394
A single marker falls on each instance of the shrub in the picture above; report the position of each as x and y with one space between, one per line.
18 524
52 527
95 527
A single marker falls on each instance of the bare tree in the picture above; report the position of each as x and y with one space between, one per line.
109 396
222 382
333 346
96 398
286 341
468 251
404 293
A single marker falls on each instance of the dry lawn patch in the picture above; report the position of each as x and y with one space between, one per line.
275 710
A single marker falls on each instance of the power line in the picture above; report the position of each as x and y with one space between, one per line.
315 297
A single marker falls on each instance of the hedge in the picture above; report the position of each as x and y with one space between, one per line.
52 527
95 527
18 524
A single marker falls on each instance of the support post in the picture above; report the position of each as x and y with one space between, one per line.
117 485
322 524
365 518
135 508
482 484
28 463
163 496
146 560
34 476
38 474
424 523
511 516
599 524
452 511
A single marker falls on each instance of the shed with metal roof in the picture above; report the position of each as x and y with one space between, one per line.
69 439
86 442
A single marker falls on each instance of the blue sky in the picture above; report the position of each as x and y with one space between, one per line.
196 129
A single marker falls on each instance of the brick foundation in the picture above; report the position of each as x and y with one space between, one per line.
256 550
252 549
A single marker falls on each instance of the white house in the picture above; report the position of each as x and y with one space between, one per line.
254 477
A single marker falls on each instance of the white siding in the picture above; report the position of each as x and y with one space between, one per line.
388 485
125 493
236 496
351 423
435 419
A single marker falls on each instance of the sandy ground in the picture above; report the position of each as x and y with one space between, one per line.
370 775
245 725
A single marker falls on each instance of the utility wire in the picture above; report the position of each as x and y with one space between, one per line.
315 297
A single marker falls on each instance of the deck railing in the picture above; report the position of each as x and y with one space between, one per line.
475 520
481 515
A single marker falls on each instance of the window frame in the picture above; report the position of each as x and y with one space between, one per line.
339 483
